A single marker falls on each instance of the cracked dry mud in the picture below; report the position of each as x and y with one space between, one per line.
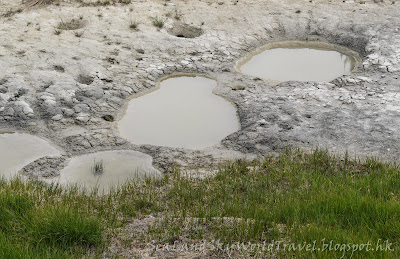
73 87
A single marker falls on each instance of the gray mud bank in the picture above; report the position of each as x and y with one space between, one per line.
72 87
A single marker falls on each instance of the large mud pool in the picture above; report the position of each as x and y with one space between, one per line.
183 113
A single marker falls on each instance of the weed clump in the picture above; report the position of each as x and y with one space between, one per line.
133 25
98 168
79 34
32 3
73 24
158 22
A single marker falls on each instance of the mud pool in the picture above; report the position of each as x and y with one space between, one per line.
182 113
118 168
298 62
19 149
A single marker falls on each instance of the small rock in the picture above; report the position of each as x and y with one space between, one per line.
69 112
364 78
83 117
9 111
262 122
57 117
27 110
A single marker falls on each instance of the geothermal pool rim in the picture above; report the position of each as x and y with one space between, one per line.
294 44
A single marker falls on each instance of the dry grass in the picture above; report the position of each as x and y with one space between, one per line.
73 24
36 3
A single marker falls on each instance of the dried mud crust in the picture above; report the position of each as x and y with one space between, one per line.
63 86
45 167
182 30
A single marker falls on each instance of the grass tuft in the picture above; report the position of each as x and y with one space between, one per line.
98 167
35 3
133 25
158 22
73 24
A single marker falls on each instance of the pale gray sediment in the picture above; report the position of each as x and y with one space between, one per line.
69 89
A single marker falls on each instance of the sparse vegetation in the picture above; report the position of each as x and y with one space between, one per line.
176 14
133 25
295 197
106 2
11 12
34 3
57 31
98 167
158 22
79 34
73 24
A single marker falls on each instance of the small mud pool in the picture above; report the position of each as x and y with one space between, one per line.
182 113
117 167
299 61
18 149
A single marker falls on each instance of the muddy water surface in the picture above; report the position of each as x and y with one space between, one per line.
182 113
118 168
18 150
297 62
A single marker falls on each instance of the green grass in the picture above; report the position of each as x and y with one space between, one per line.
38 221
295 197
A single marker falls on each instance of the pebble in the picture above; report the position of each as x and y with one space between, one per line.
57 117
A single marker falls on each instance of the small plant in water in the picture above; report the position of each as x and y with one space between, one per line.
98 167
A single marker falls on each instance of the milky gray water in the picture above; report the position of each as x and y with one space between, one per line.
299 64
182 113
18 150
119 167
